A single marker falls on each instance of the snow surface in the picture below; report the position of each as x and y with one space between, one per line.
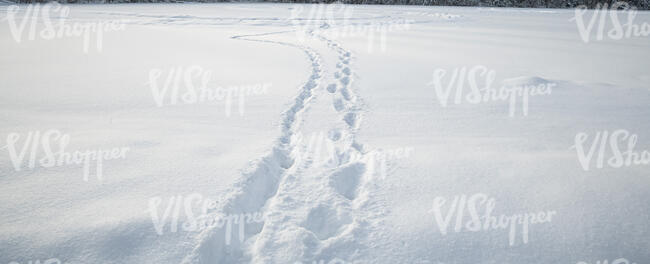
364 97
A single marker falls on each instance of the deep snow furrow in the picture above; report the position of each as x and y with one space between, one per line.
322 213
353 177
311 212
350 106
260 182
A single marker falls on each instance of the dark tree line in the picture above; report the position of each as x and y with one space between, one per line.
639 4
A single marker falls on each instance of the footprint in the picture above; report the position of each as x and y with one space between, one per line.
345 80
325 222
338 104
346 71
334 134
357 146
346 94
346 179
351 119
339 65
337 75
331 88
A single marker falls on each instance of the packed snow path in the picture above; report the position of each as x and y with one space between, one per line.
312 211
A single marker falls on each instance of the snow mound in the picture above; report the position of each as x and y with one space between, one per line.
525 80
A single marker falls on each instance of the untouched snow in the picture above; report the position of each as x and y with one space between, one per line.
351 149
